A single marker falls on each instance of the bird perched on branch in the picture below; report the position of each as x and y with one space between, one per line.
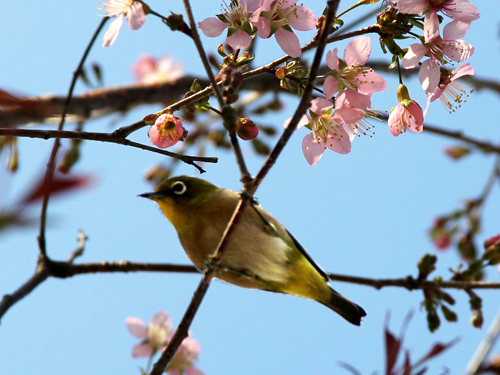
260 254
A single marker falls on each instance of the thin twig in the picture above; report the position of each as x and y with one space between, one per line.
52 159
105 137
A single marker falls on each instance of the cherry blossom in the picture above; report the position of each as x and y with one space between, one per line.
148 69
440 51
461 10
236 19
120 9
154 338
406 115
166 131
352 74
352 109
182 362
278 17
451 93
327 132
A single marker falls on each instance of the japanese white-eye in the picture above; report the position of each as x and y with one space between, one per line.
260 254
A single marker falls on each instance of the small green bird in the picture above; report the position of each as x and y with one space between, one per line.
260 254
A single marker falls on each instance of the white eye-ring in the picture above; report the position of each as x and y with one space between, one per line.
179 187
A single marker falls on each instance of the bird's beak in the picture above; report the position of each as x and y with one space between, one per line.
153 196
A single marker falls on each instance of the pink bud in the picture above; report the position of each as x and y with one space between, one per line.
246 129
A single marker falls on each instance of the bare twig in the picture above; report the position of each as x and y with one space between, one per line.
52 159
114 137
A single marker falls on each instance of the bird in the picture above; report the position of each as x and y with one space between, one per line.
260 253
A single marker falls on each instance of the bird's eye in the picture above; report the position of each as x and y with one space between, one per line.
179 187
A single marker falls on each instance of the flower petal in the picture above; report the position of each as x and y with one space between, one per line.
312 150
457 50
462 70
239 40
136 16
340 142
332 59
330 86
415 53
305 19
358 51
142 350
370 82
212 26
320 106
431 26
113 31
455 30
288 42
137 327
429 75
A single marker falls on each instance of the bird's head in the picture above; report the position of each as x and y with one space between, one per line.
178 195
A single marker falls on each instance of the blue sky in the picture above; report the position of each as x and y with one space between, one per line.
364 214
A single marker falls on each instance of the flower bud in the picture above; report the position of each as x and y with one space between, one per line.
477 319
246 129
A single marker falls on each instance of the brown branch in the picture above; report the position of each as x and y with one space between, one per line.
114 137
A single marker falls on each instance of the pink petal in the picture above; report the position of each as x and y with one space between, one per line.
429 75
113 31
304 120
212 26
455 30
161 317
416 120
415 53
305 20
320 106
394 120
412 6
330 86
288 42
263 27
431 26
370 82
312 150
340 142
462 70
357 51
193 371
346 115
332 59
239 40
358 100
462 10
142 350
136 16
457 50
136 327
250 5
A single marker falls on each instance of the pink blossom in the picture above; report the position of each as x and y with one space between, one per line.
406 115
182 362
147 69
237 19
352 74
352 109
461 10
166 131
327 132
440 52
154 338
278 17
451 93
120 8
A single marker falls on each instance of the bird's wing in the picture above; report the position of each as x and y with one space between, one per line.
295 242
307 256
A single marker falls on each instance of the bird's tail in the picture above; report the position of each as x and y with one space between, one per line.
345 308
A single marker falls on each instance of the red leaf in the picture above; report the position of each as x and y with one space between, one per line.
59 184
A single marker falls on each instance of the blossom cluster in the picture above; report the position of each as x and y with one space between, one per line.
156 337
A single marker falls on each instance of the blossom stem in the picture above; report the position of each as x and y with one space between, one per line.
399 71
